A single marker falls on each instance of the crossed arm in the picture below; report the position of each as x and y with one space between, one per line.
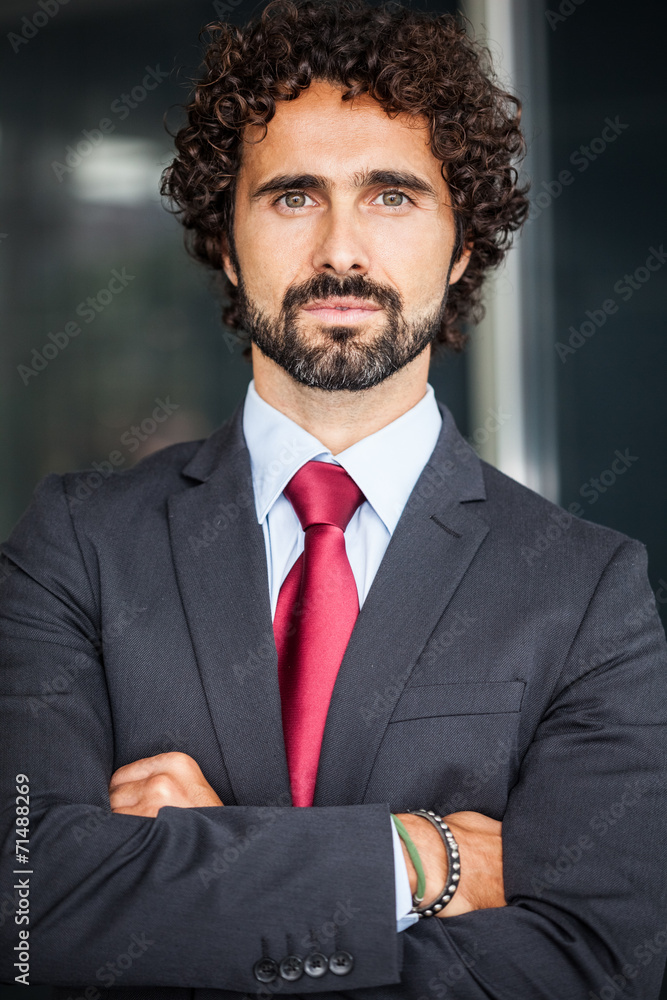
145 786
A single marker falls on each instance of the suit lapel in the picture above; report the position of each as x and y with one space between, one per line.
431 548
220 561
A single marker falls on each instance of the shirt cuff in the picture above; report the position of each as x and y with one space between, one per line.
403 895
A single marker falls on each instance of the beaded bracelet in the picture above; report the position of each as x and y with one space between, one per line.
453 870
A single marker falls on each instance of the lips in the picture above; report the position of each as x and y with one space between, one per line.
342 304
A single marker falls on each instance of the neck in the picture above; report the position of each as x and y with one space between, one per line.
341 418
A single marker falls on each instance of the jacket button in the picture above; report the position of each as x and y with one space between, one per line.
291 968
265 970
341 963
316 965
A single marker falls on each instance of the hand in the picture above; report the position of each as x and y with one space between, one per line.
481 854
169 779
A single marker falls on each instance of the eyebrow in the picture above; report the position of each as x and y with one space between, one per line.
366 178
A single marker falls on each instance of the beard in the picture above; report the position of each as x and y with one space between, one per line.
344 357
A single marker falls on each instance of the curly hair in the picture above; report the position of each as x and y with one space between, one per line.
409 61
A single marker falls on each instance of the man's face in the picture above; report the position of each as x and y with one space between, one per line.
343 239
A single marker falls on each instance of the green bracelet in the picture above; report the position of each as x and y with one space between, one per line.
418 897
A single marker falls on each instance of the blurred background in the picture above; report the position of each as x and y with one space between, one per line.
105 318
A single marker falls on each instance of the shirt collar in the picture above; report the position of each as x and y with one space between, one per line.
384 465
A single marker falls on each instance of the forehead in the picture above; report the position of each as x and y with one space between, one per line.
318 132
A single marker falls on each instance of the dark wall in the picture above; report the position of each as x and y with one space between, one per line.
606 66
160 336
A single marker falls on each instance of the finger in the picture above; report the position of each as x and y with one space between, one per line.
127 781
160 787
135 771
126 793
162 763
147 811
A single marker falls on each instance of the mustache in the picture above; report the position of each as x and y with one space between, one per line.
325 286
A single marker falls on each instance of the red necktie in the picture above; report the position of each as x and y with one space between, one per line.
317 607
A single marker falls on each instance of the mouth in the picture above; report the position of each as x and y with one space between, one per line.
341 310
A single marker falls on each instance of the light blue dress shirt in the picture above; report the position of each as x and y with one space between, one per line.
384 465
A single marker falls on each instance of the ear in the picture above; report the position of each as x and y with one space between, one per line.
461 264
228 267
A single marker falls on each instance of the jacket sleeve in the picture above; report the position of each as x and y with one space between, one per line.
584 846
195 897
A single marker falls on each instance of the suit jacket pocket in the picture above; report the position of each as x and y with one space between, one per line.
426 701
450 747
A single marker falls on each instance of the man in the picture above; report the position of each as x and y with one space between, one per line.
226 669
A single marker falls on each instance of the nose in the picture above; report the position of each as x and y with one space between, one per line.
340 245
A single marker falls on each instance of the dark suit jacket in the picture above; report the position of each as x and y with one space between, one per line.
508 659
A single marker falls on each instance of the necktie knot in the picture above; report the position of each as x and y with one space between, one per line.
323 493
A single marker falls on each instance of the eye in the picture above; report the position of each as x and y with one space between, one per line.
293 199
391 199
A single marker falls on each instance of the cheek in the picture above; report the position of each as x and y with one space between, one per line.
420 278
272 261
414 263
